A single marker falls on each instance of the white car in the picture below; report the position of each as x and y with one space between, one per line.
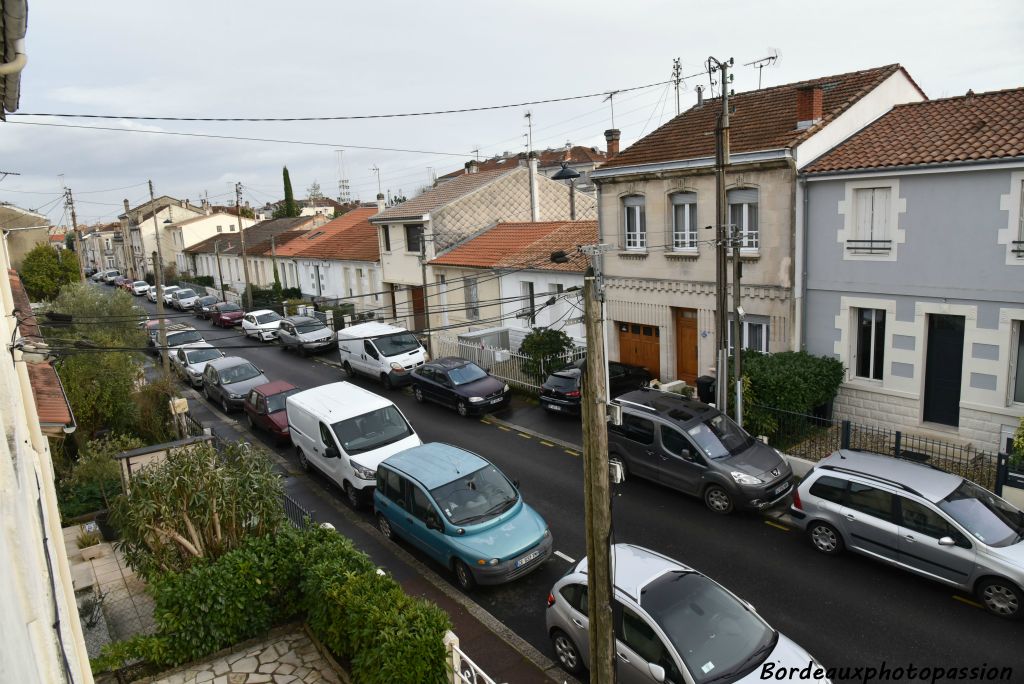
167 292
189 361
140 287
184 299
262 324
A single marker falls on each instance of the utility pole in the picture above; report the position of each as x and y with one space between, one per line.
241 236
737 314
158 278
677 77
426 299
722 234
220 272
74 226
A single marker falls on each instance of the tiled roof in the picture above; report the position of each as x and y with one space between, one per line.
955 129
577 154
350 237
760 120
257 237
443 194
51 403
523 245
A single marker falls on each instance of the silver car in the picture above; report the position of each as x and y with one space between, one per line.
305 334
918 518
189 361
673 624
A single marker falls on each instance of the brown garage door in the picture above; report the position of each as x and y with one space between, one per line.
640 345
686 344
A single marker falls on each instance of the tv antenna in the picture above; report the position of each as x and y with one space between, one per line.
529 128
377 171
611 99
760 64
344 191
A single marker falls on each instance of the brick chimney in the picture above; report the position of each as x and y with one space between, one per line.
612 136
472 166
380 202
808 106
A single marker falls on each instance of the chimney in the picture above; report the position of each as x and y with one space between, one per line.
183 202
472 166
380 202
531 164
808 106
612 136
521 159
127 208
700 96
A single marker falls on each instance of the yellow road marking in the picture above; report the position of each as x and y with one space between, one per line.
525 436
486 422
546 443
968 601
502 427
571 452
776 525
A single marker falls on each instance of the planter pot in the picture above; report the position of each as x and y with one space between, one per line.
91 552
109 532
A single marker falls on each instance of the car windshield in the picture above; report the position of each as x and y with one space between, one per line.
201 355
276 402
987 517
171 288
717 636
185 294
269 317
397 344
476 497
183 337
466 374
140 283
206 301
225 308
372 430
309 326
719 437
239 373
563 382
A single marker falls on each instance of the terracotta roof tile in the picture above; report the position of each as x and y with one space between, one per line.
955 129
350 237
761 120
523 245
443 194
257 237
577 154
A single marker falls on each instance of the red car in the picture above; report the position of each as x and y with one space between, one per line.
226 314
265 407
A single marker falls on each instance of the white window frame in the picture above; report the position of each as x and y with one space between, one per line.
750 240
635 206
684 238
528 311
747 325
855 312
875 226
851 230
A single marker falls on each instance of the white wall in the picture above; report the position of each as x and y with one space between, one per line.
557 315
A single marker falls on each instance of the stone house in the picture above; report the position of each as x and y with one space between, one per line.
193 230
139 233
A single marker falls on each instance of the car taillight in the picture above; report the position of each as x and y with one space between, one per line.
796 500
551 600
574 393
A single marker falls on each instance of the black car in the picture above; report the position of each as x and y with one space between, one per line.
203 306
560 393
461 384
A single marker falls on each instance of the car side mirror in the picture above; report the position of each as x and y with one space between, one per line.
946 541
657 672
688 455
331 452
433 523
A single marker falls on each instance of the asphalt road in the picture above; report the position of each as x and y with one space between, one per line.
847 611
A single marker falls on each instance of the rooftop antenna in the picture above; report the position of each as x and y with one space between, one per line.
760 64
344 192
377 171
711 80
611 99
431 175
677 78
529 134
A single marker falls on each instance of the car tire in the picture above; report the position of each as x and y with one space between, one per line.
825 538
1001 597
418 393
385 380
463 576
347 367
718 500
353 497
303 461
385 527
225 406
463 408
566 653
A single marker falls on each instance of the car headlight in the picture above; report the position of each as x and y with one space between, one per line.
235 396
364 473
506 388
488 561
475 400
193 373
744 479
397 367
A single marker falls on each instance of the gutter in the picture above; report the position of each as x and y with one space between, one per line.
922 168
695 163
69 427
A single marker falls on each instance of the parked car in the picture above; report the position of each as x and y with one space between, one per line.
119 282
561 391
672 624
110 276
189 361
698 450
184 299
304 334
226 314
461 385
178 334
345 432
152 293
163 290
380 351
262 324
139 288
265 407
152 328
168 294
204 306
98 276
227 381
918 518
463 512
89 271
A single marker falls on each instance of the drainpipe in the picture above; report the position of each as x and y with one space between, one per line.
800 269
16 65
534 190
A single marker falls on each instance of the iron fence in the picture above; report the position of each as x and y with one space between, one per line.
297 515
503 364
190 426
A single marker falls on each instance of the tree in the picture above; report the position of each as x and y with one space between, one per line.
93 310
197 506
314 194
545 351
44 271
99 386
97 468
287 209
246 212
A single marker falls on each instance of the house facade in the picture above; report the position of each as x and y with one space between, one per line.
657 203
915 267
192 231
140 227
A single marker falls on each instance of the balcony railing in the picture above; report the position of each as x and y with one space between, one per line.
1018 248
869 246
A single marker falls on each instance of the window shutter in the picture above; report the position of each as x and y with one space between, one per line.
880 214
862 214
743 196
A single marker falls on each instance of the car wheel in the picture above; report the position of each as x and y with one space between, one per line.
462 408
1001 597
385 380
385 527
353 497
566 653
419 394
303 462
718 500
224 405
825 538
463 575
348 370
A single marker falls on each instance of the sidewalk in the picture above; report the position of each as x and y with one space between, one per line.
500 653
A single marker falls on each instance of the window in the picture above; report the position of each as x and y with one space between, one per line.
684 220
325 435
414 238
867 499
755 335
1017 371
528 311
220 229
869 361
643 640
921 519
421 505
674 442
231 228
472 298
743 216
871 221
390 485
829 489
634 222
576 596
635 428
387 238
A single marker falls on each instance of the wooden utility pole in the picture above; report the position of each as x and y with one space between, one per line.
78 239
241 236
722 234
426 298
220 273
158 279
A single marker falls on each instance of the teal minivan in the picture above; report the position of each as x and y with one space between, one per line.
462 511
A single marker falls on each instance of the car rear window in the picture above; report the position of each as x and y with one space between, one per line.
562 382
829 488
183 337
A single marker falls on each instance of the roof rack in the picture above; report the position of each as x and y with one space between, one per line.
869 476
635 404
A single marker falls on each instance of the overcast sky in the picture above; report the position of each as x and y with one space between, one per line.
281 59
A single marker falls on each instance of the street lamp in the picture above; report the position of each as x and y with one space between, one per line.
565 173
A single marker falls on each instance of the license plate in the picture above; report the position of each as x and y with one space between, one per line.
496 401
554 407
526 559
781 488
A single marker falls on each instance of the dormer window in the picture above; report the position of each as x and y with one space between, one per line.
634 222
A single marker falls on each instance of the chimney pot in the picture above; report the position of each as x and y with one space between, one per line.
700 96
808 106
127 207
612 136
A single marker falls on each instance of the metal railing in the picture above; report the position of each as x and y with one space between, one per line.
503 364
1018 248
297 515
462 670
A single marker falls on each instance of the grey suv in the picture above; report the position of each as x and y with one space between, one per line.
672 624
696 449
305 334
918 518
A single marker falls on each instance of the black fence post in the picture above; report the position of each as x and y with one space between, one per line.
896 444
1002 466
844 439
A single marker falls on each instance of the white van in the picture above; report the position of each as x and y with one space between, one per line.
345 432
380 351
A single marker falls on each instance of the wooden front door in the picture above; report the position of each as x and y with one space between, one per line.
686 344
418 308
640 345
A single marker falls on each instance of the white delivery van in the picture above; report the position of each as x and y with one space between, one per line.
380 351
345 431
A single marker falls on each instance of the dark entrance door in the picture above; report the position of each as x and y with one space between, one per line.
944 364
686 345
419 308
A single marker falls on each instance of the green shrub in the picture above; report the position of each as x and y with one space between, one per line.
204 280
544 349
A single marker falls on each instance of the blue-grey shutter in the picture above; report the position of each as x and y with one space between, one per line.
743 196
684 198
